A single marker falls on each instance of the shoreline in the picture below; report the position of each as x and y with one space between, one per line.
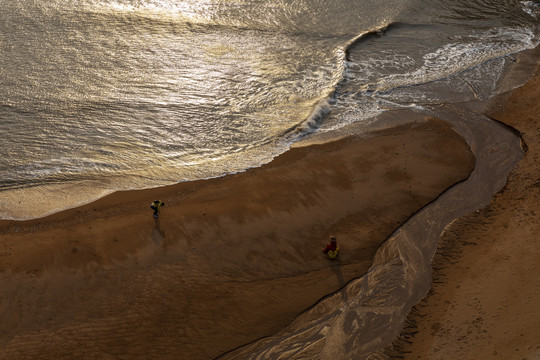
230 260
483 301
85 276
363 319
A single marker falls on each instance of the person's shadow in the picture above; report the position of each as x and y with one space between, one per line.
335 266
157 234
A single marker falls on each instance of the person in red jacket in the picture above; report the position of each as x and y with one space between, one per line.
332 248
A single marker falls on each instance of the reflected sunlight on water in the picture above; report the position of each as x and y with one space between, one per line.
125 94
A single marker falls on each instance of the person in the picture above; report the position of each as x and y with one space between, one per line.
331 249
155 206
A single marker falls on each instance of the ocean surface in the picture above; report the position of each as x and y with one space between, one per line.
105 95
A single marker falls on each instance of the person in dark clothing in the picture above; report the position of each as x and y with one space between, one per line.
155 206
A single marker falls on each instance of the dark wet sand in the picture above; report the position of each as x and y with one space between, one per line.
484 303
229 261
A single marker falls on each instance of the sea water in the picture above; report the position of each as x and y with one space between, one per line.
105 95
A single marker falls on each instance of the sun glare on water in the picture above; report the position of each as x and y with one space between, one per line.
193 11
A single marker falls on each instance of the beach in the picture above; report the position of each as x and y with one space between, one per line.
229 261
404 130
236 259
484 300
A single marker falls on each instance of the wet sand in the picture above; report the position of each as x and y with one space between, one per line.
230 260
484 302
